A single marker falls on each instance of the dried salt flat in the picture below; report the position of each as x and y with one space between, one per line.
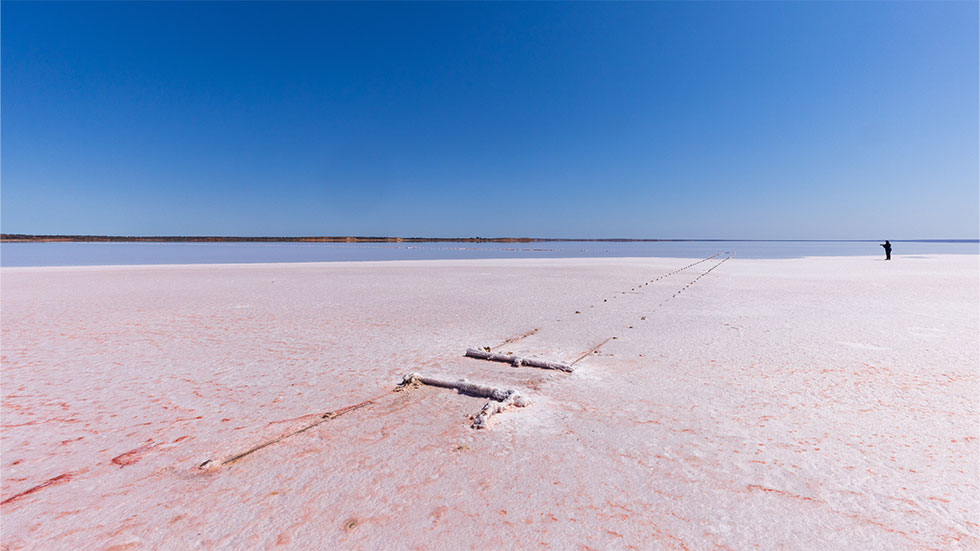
731 416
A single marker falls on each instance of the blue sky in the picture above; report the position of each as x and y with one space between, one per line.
657 120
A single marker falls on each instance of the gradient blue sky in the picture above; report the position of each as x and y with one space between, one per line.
706 120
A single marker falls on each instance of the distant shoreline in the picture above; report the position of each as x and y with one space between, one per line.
29 238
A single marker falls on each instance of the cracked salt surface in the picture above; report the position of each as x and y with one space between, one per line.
737 414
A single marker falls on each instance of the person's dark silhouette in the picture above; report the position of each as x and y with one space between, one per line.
888 250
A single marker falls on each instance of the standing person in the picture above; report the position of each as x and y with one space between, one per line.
888 250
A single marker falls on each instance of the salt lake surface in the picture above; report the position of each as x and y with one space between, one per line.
816 403
107 254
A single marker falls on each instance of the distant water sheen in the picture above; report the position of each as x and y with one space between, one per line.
96 254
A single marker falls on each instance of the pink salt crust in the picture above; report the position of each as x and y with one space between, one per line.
817 403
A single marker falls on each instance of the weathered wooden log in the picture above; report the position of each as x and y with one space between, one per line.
462 386
531 362
500 399
492 408
493 356
517 361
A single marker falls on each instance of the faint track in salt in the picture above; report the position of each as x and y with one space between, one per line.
516 339
595 349
211 464
534 331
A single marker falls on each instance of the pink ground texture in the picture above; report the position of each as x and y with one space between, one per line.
815 403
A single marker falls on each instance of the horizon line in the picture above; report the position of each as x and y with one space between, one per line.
93 238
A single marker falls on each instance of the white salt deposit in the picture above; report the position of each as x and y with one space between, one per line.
818 403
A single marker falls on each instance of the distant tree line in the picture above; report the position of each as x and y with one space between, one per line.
14 237
206 238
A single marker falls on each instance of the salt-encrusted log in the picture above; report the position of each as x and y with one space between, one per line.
462 385
547 365
493 408
501 399
493 356
516 360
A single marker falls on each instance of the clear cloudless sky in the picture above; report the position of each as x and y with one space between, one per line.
657 120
